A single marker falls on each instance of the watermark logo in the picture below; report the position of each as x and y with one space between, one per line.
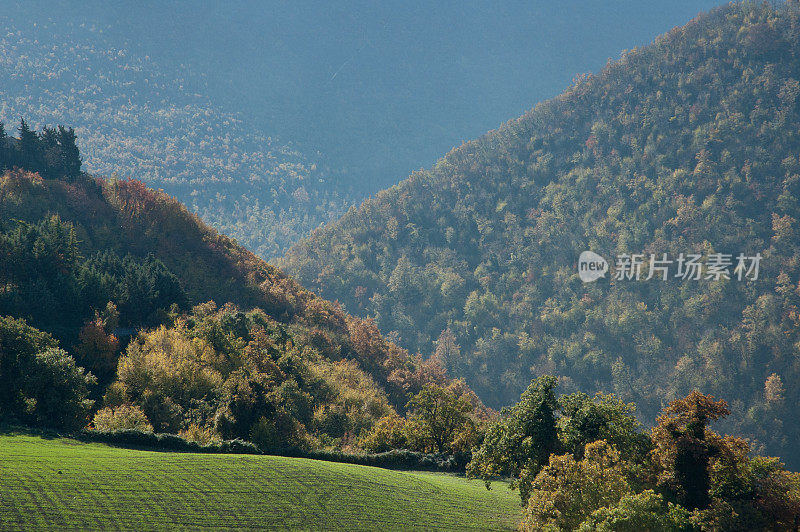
591 266
716 266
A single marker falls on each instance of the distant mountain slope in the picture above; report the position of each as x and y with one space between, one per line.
139 120
689 145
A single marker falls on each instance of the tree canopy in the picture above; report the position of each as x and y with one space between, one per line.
604 472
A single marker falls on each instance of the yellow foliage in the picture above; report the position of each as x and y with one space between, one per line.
123 417
203 435
567 491
167 362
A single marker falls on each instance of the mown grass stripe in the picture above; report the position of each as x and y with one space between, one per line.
112 488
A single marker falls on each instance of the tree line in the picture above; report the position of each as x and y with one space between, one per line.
52 152
585 463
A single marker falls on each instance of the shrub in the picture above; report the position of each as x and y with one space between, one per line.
202 435
165 442
122 418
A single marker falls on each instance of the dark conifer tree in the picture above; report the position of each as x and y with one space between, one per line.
50 153
29 148
70 155
4 162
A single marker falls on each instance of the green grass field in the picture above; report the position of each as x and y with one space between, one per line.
66 485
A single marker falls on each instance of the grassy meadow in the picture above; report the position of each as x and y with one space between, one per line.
62 484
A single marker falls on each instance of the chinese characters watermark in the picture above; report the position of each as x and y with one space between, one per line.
690 266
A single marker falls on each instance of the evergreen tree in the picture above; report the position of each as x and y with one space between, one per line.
70 155
30 156
4 162
50 152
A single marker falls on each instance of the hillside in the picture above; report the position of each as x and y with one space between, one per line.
183 330
688 145
61 484
139 119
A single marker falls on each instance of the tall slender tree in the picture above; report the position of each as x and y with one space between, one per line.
4 159
29 148
70 155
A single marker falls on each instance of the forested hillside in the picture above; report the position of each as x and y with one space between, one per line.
688 145
120 309
138 120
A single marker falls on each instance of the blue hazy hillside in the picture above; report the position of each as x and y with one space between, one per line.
269 118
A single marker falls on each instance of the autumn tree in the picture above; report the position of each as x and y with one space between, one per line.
164 371
123 417
774 390
388 433
98 347
684 447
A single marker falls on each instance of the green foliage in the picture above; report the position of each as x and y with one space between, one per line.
240 375
94 262
691 479
388 433
604 417
441 419
41 384
566 491
114 219
438 417
53 153
521 442
147 439
47 281
139 287
688 145
640 511
750 492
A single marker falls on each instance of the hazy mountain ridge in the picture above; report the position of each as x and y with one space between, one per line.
135 119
